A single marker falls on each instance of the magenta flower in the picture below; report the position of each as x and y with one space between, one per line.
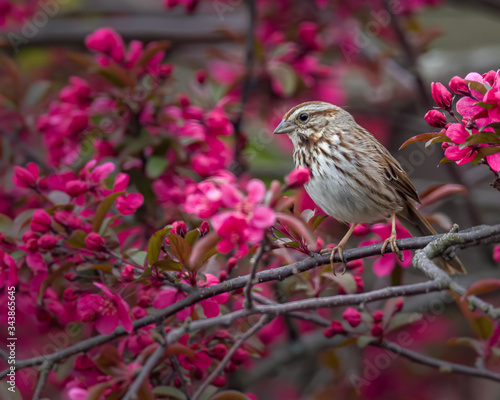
247 220
352 316
385 264
203 199
170 296
435 118
298 177
336 328
26 177
107 42
458 85
94 241
8 270
41 221
441 95
108 312
211 306
218 123
129 203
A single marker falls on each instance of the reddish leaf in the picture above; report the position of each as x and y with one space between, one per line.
482 326
482 286
203 250
180 248
296 225
167 264
150 52
438 192
423 137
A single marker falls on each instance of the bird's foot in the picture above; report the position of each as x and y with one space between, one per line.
391 240
336 250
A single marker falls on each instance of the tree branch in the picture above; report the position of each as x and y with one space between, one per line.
467 238
262 322
442 366
253 271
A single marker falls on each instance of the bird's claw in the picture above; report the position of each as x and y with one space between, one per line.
391 240
335 250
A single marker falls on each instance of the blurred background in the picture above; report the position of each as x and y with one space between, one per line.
375 58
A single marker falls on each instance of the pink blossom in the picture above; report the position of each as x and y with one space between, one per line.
77 93
26 177
203 200
41 221
378 315
179 228
218 123
441 95
121 182
94 241
107 42
108 311
129 203
377 330
211 305
8 270
435 118
458 85
336 328
75 188
298 177
170 296
384 264
193 130
47 242
352 316
247 221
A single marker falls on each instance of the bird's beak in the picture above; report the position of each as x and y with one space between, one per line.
284 127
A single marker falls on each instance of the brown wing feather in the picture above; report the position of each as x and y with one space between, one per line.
397 176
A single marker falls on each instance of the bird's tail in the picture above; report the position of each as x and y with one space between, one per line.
417 225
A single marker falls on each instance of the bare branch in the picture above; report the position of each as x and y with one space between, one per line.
471 237
42 379
253 271
262 322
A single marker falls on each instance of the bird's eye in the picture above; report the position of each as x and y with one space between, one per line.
304 117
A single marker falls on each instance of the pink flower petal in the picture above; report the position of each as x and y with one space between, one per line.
256 191
108 322
494 162
105 289
384 264
210 308
457 133
263 217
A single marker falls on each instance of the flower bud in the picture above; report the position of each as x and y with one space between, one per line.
377 316
70 294
352 316
335 329
298 177
47 242
204 228
458 85
219 381
75 188
435 118
201 76
41 221
94 241
128 273
25 177
441 95
179 228
219 351
399 305
377 330
240 356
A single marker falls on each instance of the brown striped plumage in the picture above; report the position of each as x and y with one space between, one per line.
353 177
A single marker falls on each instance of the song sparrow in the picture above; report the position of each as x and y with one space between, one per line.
354 178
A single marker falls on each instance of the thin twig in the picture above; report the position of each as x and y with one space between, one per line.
178 371
144 372
442 366
262 322
240 140
42 379
253 271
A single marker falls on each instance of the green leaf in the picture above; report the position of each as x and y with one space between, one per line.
103 209
423 137
167 264
77 239
51 278
192 236
155 166
482 137
444 160
170 391
6 224
364 341
138 257
403 319
483 152
180 248
36 92
285 76
482 327
345 280
478 87
154 244
440 139
229 395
